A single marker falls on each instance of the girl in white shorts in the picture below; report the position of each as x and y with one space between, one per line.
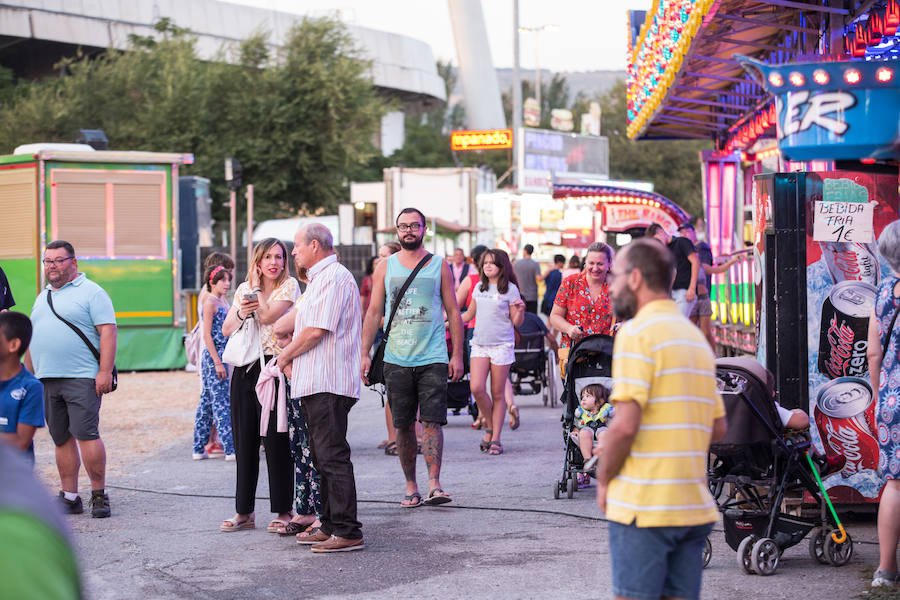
499 309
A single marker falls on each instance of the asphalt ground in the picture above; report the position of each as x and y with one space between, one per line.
503 536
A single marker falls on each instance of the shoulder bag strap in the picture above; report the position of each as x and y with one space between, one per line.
402 291
887 337
80 333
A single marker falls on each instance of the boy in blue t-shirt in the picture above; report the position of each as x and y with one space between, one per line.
21 393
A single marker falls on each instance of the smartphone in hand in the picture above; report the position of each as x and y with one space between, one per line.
250 297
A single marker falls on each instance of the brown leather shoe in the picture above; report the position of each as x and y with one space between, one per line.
312 537
338 544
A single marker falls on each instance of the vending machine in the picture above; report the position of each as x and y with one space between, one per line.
817 271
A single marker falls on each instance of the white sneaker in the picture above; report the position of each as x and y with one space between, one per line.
201 456
884 578
230 457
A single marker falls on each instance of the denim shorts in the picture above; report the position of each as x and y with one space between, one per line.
417 389
680 298
650 562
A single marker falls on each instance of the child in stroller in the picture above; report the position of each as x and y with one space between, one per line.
760 462
590 363
591 419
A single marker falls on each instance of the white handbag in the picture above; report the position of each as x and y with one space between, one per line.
244 346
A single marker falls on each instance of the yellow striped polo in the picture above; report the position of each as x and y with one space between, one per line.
663 362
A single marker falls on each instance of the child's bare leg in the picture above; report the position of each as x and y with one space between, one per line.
586 441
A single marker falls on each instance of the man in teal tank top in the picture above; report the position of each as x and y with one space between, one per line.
416 367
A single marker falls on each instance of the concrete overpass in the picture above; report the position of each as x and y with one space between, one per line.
35 34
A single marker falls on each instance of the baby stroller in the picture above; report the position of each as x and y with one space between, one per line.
755 466
533 371
459 394
590 361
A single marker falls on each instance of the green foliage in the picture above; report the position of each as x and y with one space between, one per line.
672 165
299 118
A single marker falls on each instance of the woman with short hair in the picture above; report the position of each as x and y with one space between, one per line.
582 306
884 370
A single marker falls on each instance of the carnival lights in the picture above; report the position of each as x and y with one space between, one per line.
852 76
776 80
820 77
884 74
658 53
797 79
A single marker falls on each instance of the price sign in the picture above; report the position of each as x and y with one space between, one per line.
844 222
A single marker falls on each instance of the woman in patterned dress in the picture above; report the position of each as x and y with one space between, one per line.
582 306
214 399
884 370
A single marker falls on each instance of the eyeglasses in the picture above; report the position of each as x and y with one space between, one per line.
414 227
56 261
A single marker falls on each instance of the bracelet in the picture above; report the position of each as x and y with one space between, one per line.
240 318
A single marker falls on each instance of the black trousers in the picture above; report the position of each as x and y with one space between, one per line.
326 418
531 306
245 418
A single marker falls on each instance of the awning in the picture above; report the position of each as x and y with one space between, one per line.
683 80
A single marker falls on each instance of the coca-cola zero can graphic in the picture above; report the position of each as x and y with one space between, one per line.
844 412
844 331
851 261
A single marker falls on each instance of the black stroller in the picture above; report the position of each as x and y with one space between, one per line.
533 371
590 361
459 394
755 466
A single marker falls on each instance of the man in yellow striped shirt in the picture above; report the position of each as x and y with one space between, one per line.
651 482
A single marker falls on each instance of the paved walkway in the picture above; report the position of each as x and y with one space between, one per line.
504 536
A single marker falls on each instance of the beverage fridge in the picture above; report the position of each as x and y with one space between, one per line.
817 267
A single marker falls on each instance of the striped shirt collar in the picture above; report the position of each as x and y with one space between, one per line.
320 266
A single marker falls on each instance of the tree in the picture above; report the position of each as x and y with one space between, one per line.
299 118
672 165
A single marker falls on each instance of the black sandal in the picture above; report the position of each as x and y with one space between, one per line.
293 528
485 445
391 449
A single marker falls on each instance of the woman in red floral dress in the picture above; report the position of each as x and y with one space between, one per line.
582 306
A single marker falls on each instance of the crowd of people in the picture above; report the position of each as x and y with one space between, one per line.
282 369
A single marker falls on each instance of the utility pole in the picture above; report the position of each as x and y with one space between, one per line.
249 196
516 96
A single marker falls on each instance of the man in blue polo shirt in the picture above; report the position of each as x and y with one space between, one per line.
73 380
21 394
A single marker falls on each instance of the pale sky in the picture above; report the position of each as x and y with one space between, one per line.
591 34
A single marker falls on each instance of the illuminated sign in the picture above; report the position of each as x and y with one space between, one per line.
545 154
620 217
489 139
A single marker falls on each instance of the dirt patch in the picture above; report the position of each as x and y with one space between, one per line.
148 411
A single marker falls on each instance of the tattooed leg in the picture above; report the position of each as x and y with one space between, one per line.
406 450
433 450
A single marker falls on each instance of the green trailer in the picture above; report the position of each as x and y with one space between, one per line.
120 212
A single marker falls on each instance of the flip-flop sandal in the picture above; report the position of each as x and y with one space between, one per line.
382 444
236 525
415 500
277 526
437 496
391 449
513 417
495 448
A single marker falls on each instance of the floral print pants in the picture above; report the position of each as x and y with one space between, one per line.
307 482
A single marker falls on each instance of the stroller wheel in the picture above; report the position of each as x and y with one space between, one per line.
764 556
707 553
556 486
743 554
570 488
838 554
817 545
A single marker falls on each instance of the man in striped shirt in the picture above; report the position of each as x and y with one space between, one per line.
651 482
324 368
